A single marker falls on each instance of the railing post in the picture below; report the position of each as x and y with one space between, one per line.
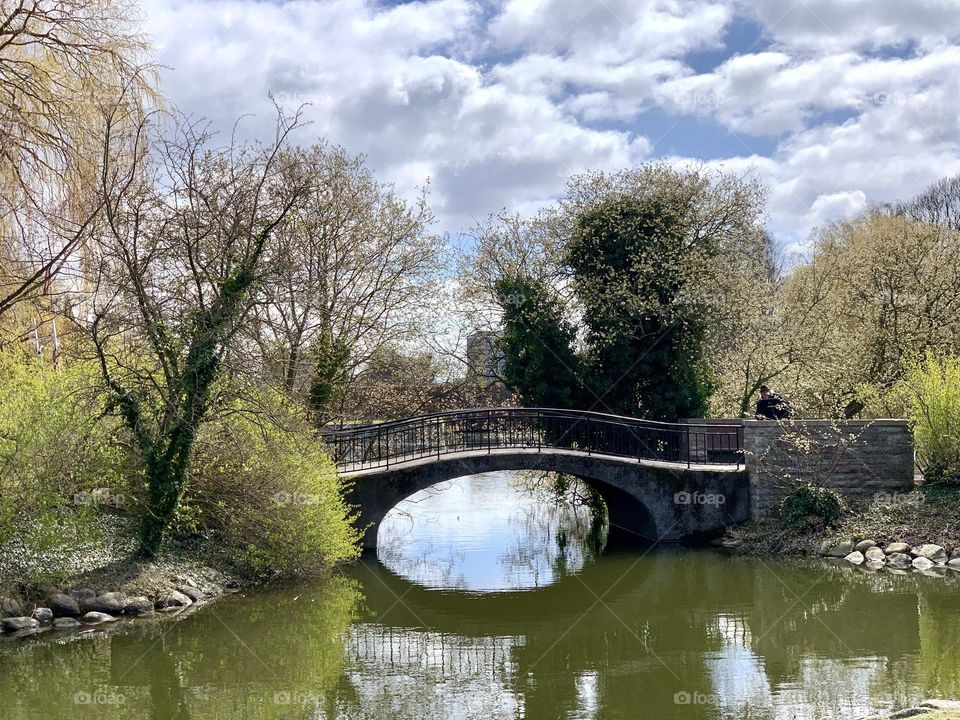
589 442
689 451
537 426
741 450
438 438
489 437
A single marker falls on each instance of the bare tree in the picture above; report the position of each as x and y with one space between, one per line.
939 204
355 270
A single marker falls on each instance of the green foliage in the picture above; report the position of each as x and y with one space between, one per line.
55 450
810 507
633 269
331 358
540 363
931 391
264 490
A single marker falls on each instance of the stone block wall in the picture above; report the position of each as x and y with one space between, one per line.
859 458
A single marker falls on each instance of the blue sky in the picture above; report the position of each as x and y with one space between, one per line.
834 104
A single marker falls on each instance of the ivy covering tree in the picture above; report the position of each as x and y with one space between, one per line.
180 264
632 265
540 363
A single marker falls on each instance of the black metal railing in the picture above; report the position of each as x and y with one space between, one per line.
386 444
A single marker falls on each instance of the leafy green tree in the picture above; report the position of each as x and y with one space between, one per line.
633 266
540 363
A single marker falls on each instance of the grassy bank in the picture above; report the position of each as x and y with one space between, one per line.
930 514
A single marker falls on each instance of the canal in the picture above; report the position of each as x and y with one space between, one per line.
488 601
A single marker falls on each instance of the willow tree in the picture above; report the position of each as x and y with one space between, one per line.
62 66
181 257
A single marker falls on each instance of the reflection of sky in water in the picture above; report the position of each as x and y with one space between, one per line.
483 533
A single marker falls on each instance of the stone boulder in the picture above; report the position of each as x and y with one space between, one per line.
954 564
875 554
895 548
899 559
111 603
934 553
195 594
65 623
9 607
43 615
17 624
922 563
85 598
63 606
172 600
865 545
138 606
835 549
95 618
855 557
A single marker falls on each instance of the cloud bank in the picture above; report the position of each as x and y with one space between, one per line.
834 105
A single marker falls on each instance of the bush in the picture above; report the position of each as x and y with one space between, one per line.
811 507
263 488
59 457
931 389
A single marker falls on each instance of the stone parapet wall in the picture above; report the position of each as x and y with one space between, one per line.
862 459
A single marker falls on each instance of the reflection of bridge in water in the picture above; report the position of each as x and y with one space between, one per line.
753 634
639 467
627 624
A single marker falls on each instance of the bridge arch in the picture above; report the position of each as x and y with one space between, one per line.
645 499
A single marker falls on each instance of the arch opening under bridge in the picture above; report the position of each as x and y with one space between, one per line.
660 481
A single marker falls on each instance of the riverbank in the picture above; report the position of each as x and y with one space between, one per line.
122 589
929 515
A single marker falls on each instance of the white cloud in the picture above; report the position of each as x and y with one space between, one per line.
841 24
499 103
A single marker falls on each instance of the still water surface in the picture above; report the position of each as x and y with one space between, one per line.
488 603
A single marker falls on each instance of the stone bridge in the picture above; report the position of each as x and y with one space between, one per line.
660 481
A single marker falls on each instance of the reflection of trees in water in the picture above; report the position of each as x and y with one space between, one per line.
762 639
544 536
940 642
839 637
440 566
551 540
274 654
669 623
564 529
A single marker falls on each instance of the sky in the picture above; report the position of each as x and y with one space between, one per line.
833 104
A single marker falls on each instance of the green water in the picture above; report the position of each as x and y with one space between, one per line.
491 604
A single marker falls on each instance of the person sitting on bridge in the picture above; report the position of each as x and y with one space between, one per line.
771 406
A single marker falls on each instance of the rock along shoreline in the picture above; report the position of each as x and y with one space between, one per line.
895 557
150 593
